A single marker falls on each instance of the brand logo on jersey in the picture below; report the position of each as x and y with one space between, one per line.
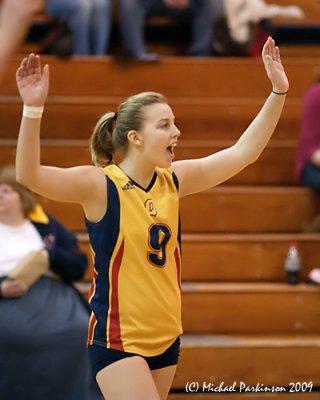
128 185
150 207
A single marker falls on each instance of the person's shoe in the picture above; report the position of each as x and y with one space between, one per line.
193 53
147 57
314 275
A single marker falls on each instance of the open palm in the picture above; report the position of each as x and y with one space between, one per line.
32 83
274 67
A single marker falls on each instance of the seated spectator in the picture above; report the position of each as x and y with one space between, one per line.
240 13
15 18
132 14
43 329
244 26
307 169
89 22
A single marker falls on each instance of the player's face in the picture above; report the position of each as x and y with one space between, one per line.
159 134
9 200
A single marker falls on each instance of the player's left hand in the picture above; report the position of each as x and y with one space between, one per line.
274 68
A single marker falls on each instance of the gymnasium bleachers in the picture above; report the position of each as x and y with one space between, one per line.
242 321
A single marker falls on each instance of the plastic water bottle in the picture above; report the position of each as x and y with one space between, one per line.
292 264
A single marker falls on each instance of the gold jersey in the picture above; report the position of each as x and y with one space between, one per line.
136 293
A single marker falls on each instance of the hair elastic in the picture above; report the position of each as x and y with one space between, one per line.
280 93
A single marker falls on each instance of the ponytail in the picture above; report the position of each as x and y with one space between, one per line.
102 146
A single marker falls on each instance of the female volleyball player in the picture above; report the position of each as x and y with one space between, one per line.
131 210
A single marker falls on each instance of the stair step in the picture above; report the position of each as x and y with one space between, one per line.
265 209
198 119
262 210
228 308
269 360
300 51
204 77
274 166
238 257
244 308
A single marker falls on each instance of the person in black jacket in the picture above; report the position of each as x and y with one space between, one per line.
42 329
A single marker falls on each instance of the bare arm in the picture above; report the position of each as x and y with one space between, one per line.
84 185
202 174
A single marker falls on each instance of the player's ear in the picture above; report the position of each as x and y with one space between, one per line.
135 138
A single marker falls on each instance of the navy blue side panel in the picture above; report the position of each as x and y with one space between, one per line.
175 180
103 237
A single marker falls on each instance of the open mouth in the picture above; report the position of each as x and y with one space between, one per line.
170 149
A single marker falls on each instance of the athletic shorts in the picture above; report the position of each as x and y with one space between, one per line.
101 357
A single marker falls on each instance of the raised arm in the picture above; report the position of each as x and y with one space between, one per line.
202 174
84 185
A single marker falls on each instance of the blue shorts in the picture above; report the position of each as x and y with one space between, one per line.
101 357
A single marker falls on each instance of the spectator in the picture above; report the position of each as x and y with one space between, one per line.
240 13
89 22
43 329
132 14
307 169
244 25
15 18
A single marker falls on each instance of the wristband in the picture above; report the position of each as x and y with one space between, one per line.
280 93
33 111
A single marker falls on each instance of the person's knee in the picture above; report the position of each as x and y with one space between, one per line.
103 6
69 8
79 7
129 4
82 7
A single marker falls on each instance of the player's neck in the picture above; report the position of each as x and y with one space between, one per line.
138 170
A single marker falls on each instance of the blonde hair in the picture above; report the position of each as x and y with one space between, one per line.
110 132
28 201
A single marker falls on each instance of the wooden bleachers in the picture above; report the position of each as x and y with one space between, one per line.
263 209
255 257
205 108
242 321
292 309
199 79
311 9
275 166
230 118
249 359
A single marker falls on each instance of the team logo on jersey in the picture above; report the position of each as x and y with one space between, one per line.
150 207
128 185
